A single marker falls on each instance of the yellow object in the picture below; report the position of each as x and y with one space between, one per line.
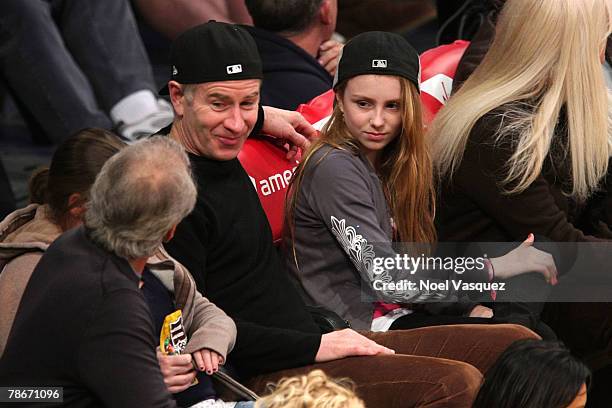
172 339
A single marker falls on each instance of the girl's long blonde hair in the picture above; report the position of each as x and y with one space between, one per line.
545 55
405 169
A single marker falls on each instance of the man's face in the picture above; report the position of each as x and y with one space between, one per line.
217 117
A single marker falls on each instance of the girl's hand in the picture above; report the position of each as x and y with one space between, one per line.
207 360
524 259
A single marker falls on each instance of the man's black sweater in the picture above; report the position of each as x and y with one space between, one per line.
84 325
226 243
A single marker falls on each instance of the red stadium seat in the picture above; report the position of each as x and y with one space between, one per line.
318 109
270 172
438 67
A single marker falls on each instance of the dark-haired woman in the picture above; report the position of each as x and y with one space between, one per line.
535 374
58 195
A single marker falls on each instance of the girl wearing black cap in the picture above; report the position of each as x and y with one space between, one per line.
368 182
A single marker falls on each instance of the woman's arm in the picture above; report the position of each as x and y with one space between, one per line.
210 328
345 197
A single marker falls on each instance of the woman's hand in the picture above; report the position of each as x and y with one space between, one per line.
524 259
207 360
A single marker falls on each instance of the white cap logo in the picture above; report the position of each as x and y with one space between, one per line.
234 69
379 63
174 70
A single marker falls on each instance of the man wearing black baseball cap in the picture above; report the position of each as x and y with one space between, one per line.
226 242
219 52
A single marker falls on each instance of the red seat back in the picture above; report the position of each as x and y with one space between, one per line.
270 172
318 109
438 67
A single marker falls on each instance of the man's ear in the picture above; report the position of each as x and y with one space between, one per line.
76 206
177 97
326 14
170 234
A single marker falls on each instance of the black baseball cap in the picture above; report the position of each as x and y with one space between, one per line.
212 52
381 53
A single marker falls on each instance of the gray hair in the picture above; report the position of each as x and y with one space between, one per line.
189 91
139 195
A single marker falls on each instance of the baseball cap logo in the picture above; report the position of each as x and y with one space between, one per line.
379 63
174 70
234 69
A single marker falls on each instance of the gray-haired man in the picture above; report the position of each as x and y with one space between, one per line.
83 323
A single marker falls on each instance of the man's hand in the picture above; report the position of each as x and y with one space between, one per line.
177 370
481 311
345 343
329 52
289 126
207 360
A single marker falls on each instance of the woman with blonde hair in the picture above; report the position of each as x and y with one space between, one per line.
525 146
368 182
533 115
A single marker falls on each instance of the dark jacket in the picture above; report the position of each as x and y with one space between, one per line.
84 325
472 206
475 52
25 235
291 75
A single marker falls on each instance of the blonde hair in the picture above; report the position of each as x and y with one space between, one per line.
545 55
405 169
314 390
